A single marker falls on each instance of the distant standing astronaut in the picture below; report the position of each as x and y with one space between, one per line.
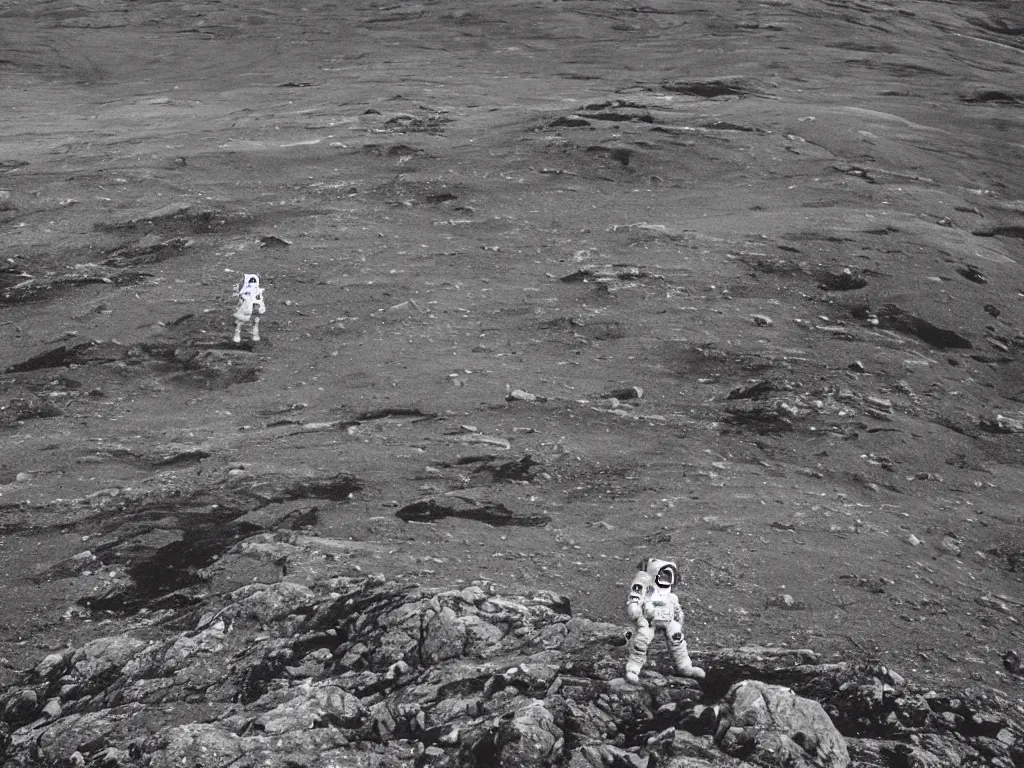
250 302
651 605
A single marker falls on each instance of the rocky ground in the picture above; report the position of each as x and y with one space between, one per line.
551 287
364 672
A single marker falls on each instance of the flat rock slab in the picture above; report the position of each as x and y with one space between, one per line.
435 508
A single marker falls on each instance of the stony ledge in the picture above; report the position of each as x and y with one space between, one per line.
350 672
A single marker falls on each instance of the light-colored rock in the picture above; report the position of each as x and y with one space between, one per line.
267 603
444 637
1004 424
522 395
23 705
772 726
196 744
51 665
952 545
105 655
320 707
530 738
52 709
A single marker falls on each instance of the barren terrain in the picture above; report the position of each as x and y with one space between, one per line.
551 287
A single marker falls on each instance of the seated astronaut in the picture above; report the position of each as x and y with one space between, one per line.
250 302
651 606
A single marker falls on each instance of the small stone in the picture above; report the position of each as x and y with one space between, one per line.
856 366
786 603
913 541
987 724
952 545
990 601
878 402
762 321
973 274
703 720
273 241
1014 663
1000 423
21 707
896 678
397 669
50 663
451 738
52 709
625 393
523 395
951 720
22 477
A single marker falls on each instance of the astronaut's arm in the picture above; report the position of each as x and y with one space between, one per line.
635 611
260 305
635 601
677 611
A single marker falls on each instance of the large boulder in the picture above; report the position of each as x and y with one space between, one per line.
528 737
770 725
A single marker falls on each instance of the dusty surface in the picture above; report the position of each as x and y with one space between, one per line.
414 183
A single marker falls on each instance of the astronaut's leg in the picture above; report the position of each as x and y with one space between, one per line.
680 654
238 332
642 637
255 328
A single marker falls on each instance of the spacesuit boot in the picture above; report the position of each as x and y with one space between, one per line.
638 646
255 328
680 654
237 338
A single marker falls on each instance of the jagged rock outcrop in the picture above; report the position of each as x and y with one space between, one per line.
769 724
366 672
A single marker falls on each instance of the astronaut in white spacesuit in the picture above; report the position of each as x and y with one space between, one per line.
250 306
651 606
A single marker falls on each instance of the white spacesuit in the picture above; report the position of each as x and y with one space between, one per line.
651 605
250 302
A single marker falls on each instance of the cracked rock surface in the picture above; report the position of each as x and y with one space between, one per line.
370 672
